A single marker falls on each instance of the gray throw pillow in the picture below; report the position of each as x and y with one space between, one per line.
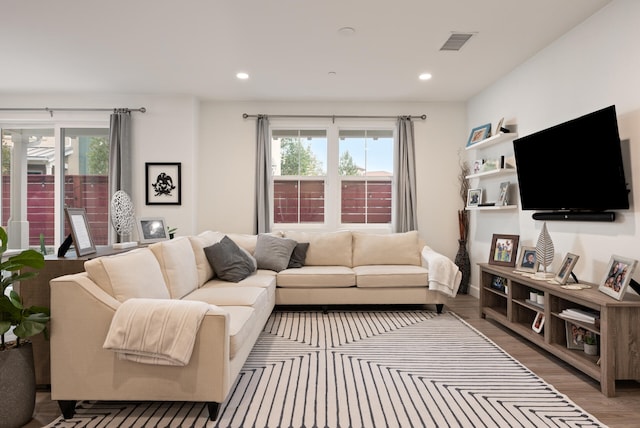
273 253
299 255
228 260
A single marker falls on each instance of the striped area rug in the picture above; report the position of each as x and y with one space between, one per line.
409 368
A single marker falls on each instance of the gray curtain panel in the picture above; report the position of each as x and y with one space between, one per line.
120 165
405 209
263 175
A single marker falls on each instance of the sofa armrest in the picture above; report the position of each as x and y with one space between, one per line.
81 314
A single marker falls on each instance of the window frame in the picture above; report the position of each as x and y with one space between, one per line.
333 181
58 125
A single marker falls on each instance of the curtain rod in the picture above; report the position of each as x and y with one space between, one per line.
52 109
332 117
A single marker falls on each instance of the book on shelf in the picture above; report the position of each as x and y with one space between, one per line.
580 315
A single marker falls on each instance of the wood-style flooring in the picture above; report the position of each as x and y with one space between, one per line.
621 411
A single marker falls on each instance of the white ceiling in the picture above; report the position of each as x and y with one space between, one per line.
289 47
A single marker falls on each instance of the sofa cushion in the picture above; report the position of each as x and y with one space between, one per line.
178 265
198 244
317 277
388 249
273 252
248 242
243 322
325 248
299 255
127 275
230 295
391 276
229 261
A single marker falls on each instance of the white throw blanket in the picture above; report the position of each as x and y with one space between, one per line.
444 275
156 331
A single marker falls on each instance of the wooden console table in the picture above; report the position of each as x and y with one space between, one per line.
36 291
618 330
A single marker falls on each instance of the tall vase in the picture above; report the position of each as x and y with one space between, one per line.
464 264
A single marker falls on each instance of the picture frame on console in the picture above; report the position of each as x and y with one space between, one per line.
617 277
163 183
527 260
575 335
566 268
152 229
80 232
538 322
503 250
478 134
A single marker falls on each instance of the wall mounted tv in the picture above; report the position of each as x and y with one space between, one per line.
574 170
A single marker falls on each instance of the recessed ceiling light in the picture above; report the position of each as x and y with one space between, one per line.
242 76
332 73
425 76
347 31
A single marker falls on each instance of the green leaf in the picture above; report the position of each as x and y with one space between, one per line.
4 326
15 299
29 328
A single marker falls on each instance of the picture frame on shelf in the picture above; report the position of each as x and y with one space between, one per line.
527 260
617 276
566 268
80 232
538 322
575 335
499 126
503 250
477 165
478 134
152 229
499 283
474 197
163 183
503 195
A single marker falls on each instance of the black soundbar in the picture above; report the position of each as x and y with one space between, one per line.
575 216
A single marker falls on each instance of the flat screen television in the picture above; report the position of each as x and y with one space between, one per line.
573 170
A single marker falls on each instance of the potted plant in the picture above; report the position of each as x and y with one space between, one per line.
17 377
590 343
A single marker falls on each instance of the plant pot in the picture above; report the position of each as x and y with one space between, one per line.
590 349
17 386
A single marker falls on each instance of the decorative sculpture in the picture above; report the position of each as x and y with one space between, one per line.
122 218
544 252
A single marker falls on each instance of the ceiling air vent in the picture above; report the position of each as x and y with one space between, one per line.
456 41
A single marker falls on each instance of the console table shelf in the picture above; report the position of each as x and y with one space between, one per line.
618 329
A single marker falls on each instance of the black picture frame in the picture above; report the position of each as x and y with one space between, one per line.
80 232
163 183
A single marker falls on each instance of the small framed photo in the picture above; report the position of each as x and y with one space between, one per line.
152 229
478 134
566 268
503 250
618 276
499 126
527 260
575 335
503 196
474 197
477 165
538 322
80 233
163 183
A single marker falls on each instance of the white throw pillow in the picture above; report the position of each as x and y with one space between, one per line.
178 265
129 275
198 244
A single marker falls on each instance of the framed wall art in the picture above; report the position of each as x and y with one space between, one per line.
503 250
152 229
163 183
617 277
80 233
479 133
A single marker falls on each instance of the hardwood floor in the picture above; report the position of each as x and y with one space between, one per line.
621 411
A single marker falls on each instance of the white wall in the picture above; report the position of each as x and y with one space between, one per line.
593 66
167 132
226 162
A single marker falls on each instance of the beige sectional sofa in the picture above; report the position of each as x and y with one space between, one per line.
94 313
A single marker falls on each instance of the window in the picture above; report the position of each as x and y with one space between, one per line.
332 176
34 161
